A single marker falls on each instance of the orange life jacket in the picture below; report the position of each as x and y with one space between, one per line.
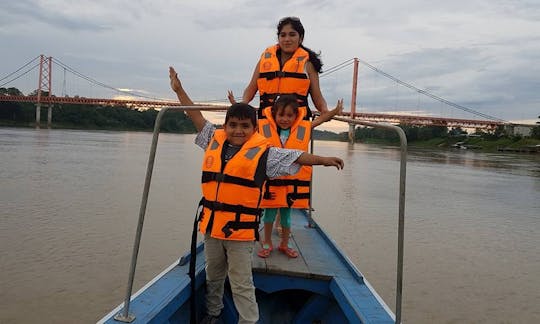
232 194
290 79
294 190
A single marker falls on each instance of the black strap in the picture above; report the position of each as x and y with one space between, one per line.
291 197
192 262
214 205
236 225
208 176
287 182
268 99
282 74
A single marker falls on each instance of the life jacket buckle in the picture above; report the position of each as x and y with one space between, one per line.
275 74
290 199
227 230
219 177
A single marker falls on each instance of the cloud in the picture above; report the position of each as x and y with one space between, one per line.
480 54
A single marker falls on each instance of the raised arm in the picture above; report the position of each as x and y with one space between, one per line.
326 116
311 159
195 115
315 89
230 96
252 87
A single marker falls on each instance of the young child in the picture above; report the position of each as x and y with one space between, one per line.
237 160
285 126
277 129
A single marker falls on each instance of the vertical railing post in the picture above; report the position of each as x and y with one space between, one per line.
311 223
401 205
124 315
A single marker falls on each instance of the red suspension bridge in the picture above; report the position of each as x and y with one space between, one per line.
44 96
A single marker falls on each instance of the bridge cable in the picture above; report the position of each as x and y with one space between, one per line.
22 67
89 79
30 69
337 67
431 95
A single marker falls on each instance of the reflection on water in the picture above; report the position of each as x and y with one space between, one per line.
519 164
70 203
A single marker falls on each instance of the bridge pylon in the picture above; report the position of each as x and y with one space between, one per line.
44 85
353 100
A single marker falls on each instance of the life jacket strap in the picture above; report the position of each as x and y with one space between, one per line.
208 176
215 206
291 197
236 225
268 99
282 74
288 182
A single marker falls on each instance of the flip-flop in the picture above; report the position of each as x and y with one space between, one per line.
290 252
264 252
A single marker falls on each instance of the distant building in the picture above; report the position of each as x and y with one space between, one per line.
519 129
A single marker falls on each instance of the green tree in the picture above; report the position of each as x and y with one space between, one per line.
11 91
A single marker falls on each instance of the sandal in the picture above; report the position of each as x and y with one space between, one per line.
288 251
265 251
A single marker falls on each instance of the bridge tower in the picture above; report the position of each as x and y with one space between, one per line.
44 85
353 100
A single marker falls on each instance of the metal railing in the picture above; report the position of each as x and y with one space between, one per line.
401 206
125 316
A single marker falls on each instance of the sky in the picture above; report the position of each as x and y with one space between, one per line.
480 54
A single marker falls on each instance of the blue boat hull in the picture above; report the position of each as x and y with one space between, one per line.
320 286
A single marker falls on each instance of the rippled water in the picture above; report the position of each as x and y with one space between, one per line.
70 203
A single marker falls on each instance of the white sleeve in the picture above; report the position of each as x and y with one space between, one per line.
282 162
205 135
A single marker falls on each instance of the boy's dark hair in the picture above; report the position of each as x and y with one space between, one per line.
242 111
284 101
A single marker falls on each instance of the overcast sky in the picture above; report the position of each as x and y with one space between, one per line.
481 54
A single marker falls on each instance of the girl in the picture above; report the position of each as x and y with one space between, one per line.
284 125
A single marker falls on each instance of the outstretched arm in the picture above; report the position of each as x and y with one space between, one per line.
311 159
326 116
195 115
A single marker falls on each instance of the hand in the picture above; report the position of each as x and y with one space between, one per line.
339 108
175 82
230 96
333 161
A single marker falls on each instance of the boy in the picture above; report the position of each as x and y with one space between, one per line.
237 162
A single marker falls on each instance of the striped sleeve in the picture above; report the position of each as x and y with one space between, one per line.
205 135
282 162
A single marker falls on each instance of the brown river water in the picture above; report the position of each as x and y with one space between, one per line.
70 203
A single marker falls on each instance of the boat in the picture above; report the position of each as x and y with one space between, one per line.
320 286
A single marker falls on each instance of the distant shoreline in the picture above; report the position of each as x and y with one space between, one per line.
503 144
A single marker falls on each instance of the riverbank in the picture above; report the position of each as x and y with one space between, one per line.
501 144
506 144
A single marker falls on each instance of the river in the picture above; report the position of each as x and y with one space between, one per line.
70 202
